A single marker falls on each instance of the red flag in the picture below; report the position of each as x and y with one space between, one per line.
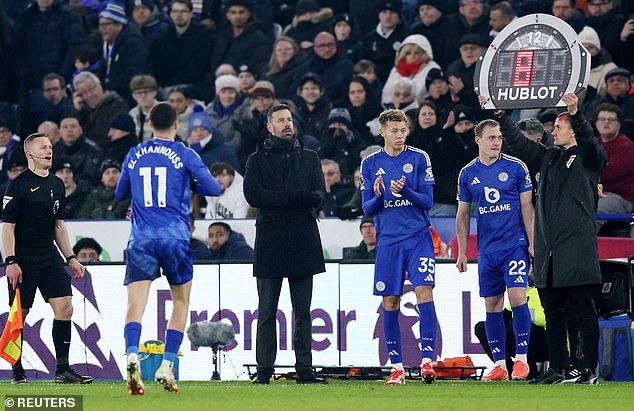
11 339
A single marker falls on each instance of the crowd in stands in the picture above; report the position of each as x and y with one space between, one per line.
87 73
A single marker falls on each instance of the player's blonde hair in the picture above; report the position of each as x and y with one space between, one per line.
392 114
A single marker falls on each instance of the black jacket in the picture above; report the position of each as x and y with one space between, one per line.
234 249
566 204
285 182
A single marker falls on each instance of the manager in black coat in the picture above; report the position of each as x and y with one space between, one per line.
566 267
284 181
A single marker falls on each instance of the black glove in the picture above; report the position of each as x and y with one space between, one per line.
299 198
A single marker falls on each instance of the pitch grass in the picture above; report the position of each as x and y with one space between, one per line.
341 395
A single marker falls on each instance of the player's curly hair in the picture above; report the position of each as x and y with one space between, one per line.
392 114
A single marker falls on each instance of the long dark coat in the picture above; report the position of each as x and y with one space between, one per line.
287 241
566 204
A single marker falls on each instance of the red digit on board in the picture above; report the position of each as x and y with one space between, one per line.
523 68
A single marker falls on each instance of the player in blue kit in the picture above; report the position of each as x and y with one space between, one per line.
397 189
500 187
159 174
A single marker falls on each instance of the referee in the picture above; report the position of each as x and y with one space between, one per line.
33 217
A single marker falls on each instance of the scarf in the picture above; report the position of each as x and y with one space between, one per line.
406 69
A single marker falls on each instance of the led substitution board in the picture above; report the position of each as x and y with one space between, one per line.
532 63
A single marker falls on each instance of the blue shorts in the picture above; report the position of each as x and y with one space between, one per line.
501 270
413 257
146 258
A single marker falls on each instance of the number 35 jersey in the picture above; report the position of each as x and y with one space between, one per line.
495 192
159 175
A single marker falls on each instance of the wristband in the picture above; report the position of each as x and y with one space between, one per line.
70 257
10 260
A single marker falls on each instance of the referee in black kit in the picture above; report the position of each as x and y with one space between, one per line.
32 218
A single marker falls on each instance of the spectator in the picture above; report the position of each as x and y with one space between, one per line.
82 151
48 104
474 17
122 137
87 250
309 20
9 141
46 28
618 87
438 93
241 41
363 106
124 52
247 80
231 202
378 45
403 95
340 142
335 71
150 21
182 54
285 62
227 245
601 61
439 28
76 190
346 33
461 71
144 90
500 16
414 60
312 105
95 108
252 121
101 203
622 55
338 191
223 108
607 21
180 99
15 165
366 250
566 10
367 70
547 118
617 178
199 247
87 58
50 130
207 141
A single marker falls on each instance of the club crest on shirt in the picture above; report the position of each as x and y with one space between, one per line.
503 176
380 286
55 206
408 168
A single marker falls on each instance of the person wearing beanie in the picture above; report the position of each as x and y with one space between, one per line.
87 250
16 164
247 79
312 105
461 71
209 142
415 58
144 90
341 143
438 93
600 61
223 109
473 16
366 250
346 33
150 20
378 45
76 190
124 51
122 135
101 203
439 28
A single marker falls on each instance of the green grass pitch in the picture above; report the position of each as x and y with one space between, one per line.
342 395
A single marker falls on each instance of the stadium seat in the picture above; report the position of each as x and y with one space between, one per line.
615 247
472 247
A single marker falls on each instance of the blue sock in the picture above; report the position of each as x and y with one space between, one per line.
392 335
132 335
427 327
522 328
496 334
173 340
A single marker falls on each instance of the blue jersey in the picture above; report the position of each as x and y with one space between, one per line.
495 191
405 214
159 175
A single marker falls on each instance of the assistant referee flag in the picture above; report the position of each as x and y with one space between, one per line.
11 339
